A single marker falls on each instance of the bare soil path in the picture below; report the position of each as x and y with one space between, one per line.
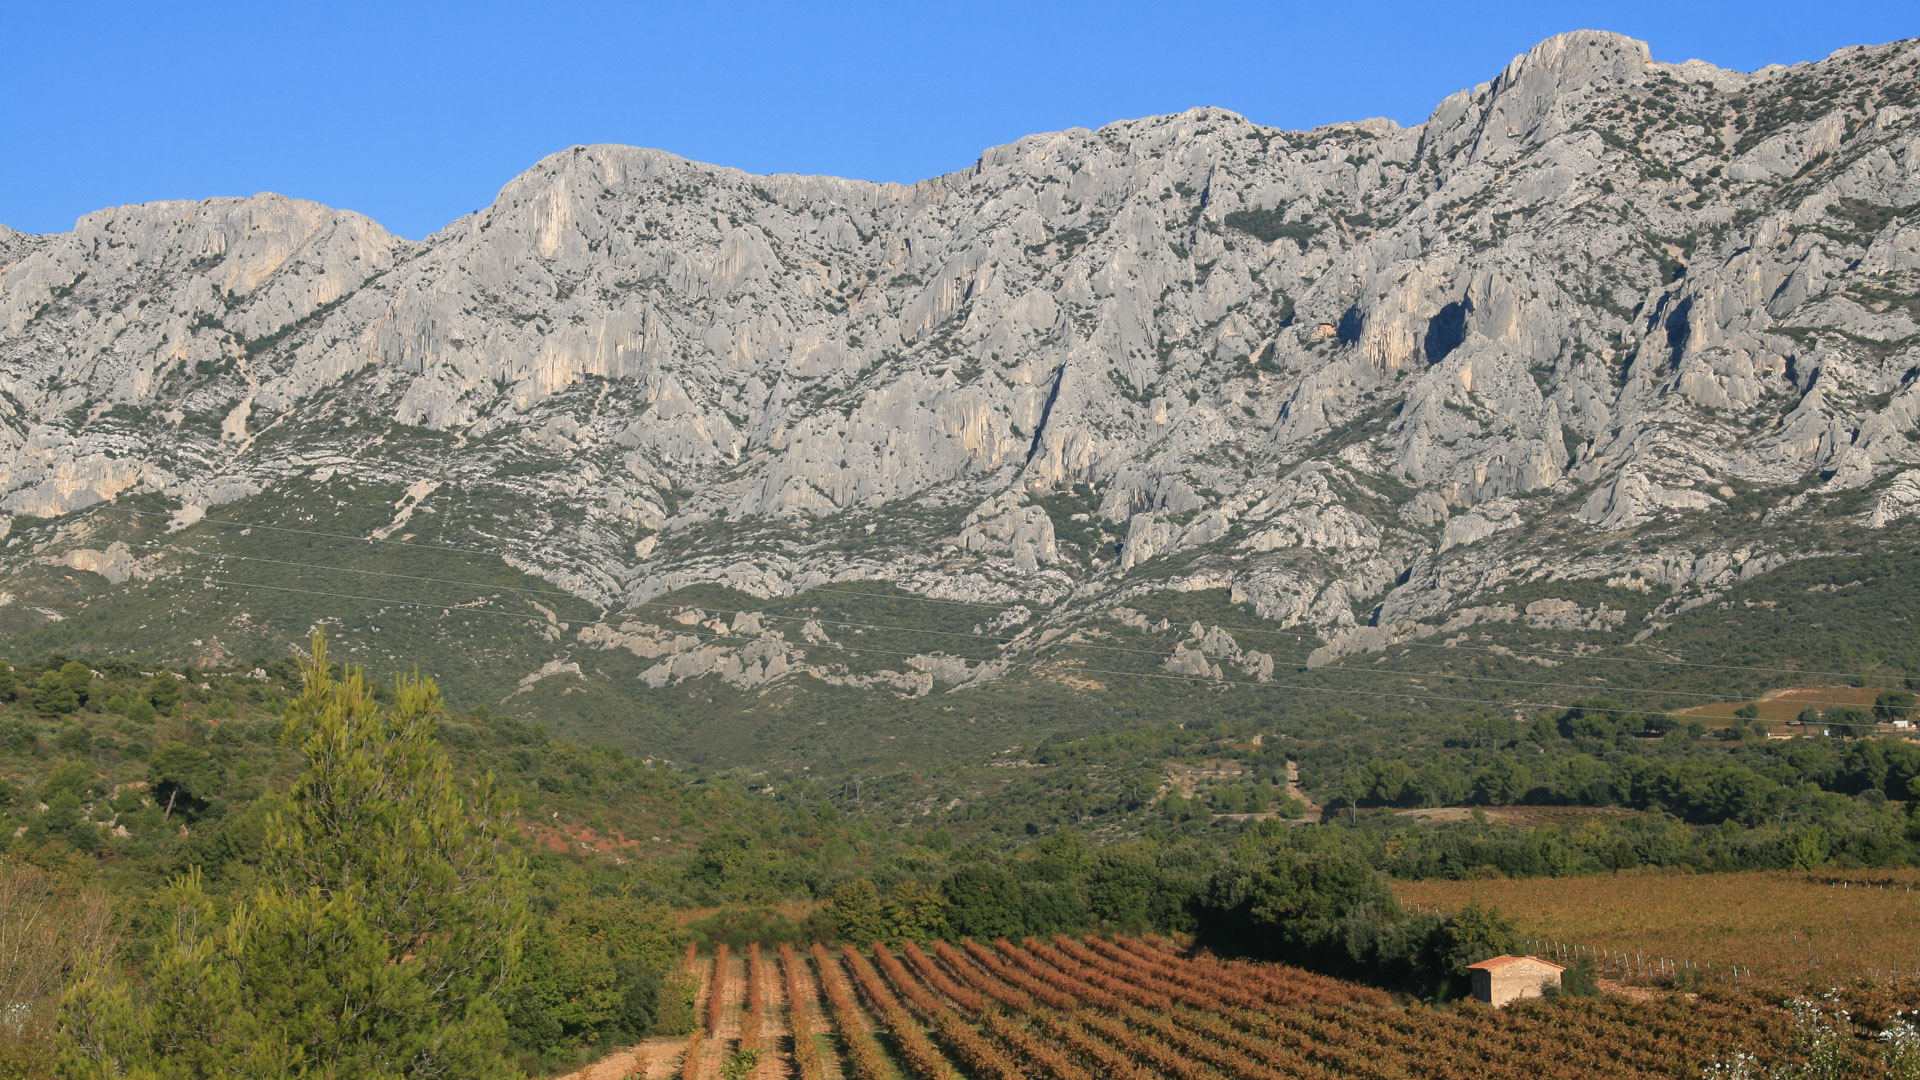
659 1058
653 1059
1294 789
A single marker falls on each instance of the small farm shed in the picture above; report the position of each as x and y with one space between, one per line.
1509 978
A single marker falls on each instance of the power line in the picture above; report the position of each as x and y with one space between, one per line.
303 532
473 610
642 603
1156 654
1314 689
903 596
1030 665
1368 693
1534 651
1585 688
1033 666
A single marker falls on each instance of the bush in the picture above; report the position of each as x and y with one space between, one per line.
739 927
1582 980
27 1057
1271 224
17 735
678 1004
1894 705
984 901
740 1065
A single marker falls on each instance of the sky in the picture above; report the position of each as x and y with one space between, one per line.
417 113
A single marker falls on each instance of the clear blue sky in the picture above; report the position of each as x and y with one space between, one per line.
416 113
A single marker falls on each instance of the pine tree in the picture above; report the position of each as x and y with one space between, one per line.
164 693
382 944
52 696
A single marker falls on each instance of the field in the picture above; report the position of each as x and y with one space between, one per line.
1787 929
1140 1009
1780 706
1521 816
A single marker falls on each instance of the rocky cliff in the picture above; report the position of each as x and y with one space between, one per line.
1646 327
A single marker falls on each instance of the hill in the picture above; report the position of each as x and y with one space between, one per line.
1609 356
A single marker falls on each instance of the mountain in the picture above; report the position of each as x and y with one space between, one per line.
1608 356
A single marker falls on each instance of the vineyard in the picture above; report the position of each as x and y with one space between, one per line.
1791 930
1141 1009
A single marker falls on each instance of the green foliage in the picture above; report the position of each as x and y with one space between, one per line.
909 910
856 913
182 778
679 1003
1475 934
164 694
1846 722
915 912
53 695
71 779
1893 705
1270 224
1580 980
741 925
984 901
1325 908
1294 902
1121 886
590 977
741 1064
384 936
79 679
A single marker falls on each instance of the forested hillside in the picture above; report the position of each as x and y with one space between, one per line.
129 795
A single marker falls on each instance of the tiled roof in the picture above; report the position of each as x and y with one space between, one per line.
1499 962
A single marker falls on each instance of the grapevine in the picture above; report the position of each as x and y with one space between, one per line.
1142 1009
806 1053
923 1059
753 1023
717 990
863 1051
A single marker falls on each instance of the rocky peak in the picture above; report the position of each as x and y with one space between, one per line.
1532 101
1569 63
1355 375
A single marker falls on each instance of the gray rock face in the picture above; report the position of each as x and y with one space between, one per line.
1357 375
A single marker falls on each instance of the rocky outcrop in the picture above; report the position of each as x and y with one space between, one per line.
1362 377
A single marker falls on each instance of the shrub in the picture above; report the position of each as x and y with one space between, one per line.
679 1003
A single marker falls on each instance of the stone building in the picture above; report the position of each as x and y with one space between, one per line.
1509 978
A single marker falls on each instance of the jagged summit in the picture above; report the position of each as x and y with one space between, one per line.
1600 320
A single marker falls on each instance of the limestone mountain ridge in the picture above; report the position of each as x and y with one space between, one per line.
1647 327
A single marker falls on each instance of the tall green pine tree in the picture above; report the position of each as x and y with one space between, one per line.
381 946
